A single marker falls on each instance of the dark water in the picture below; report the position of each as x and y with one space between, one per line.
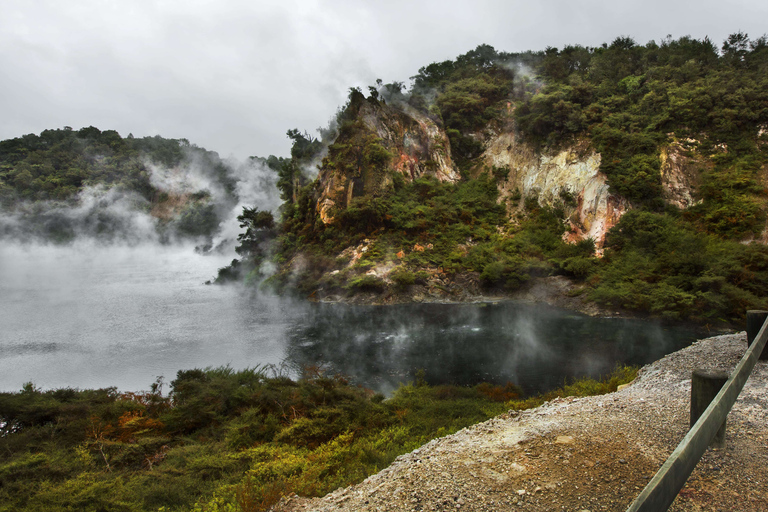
535 346
89 316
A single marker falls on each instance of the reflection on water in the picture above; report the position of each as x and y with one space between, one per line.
535 346
117 316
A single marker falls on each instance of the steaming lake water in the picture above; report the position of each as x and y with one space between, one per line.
90 316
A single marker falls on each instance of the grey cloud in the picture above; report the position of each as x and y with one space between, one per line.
233 76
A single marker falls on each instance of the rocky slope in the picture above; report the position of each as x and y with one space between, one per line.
572 173
415 144
570 177
370 229
592 454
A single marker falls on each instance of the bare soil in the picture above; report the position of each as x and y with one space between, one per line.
582 454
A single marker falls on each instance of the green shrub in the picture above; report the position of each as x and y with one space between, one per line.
657 263
402 277
367 283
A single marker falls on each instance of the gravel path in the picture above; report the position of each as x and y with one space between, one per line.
587 454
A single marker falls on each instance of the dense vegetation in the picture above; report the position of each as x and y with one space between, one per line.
40 173
628 102
630 99
57 163
439 227
225 440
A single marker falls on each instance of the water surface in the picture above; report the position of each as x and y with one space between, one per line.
93 316
535 346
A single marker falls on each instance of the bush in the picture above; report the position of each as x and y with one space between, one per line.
660 264
367 283
402 277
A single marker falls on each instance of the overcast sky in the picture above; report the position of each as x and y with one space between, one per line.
234 75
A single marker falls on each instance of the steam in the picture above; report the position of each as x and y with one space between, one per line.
525 78
99 213
188 179
210 191
255 185
535 346
92 315
109 281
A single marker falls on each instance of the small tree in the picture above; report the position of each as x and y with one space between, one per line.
255 244
259 230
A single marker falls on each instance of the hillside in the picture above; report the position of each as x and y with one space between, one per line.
637 172
63 184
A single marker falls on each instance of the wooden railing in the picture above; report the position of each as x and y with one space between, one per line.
661 491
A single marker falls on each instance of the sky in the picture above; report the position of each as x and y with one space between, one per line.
233 76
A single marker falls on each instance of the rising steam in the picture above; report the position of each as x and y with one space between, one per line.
198 200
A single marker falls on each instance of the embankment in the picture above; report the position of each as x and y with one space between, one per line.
593 453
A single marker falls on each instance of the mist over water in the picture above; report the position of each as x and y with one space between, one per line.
88 315
535 346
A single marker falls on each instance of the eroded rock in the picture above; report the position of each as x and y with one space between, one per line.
416 144
571 177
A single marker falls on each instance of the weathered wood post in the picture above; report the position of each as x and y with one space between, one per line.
705 385
755 320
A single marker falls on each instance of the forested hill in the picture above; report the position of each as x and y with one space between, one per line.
495 169
65 183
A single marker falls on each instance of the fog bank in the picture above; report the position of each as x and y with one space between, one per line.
90 315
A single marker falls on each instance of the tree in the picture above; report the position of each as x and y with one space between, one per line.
736 48
259 231
290 172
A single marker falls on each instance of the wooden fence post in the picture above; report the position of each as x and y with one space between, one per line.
755 320
705 385
661 491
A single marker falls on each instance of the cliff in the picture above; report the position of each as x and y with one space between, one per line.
390 218
405 142
570 177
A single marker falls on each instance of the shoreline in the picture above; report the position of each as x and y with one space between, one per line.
558 291
555 291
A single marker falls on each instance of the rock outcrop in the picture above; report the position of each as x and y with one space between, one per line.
570 177
415 144
680 173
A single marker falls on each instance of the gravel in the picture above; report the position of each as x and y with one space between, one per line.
582 454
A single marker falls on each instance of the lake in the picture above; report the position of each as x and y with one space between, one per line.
94 316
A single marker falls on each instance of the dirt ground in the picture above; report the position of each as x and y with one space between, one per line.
588 454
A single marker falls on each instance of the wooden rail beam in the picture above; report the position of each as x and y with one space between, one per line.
663 488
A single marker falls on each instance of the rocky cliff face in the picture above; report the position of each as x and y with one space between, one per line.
680 173
570 176
420 146
416 146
